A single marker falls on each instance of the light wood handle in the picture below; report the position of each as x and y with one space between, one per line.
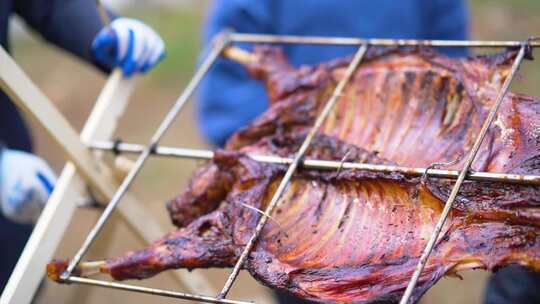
239 55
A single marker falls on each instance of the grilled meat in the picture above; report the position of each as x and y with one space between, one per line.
352 236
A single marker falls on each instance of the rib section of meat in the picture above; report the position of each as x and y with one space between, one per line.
353 236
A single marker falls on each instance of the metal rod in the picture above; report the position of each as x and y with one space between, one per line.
103 15
466 167
292 168
322 164
220 42
266 38
152 291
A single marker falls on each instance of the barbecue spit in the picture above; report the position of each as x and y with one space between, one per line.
349 235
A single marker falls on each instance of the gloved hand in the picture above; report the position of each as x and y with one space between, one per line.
26 182
129 44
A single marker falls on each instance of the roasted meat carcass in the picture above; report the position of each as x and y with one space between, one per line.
355 236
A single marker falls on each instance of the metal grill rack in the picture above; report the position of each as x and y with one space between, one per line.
221 42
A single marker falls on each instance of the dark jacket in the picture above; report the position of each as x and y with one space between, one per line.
69 24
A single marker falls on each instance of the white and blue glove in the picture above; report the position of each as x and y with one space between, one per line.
26 182
130 45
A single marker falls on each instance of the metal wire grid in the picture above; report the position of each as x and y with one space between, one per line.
219 44
201 154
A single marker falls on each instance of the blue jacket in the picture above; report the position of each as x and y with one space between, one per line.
229 99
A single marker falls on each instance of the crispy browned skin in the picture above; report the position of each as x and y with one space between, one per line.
352 236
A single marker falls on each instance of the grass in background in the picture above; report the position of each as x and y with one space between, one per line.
510 20
181 30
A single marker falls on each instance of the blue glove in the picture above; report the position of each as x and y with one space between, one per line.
26 182
130 45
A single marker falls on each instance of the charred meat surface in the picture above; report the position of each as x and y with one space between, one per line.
353 236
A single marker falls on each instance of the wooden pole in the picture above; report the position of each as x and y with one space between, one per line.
83 165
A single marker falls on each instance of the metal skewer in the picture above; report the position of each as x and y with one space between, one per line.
321 164
105 18
292 168
153 291
468 162
291 39
221 42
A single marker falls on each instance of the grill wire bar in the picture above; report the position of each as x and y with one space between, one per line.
201 154
153 291
220 42
291 39
466 167
292 167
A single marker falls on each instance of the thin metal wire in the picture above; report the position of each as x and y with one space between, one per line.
221 42
292 168
103 14
322 164
466 167
153 291
266 38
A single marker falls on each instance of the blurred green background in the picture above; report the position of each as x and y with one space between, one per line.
73 87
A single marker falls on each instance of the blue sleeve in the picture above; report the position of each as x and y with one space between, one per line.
448 20
69 24
228 98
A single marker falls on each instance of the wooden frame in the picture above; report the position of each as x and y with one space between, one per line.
82 167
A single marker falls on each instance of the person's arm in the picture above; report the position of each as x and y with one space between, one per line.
448 20
71 25
75 25
228 98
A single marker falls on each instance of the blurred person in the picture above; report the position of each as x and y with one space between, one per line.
26 181
229 99
513 284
